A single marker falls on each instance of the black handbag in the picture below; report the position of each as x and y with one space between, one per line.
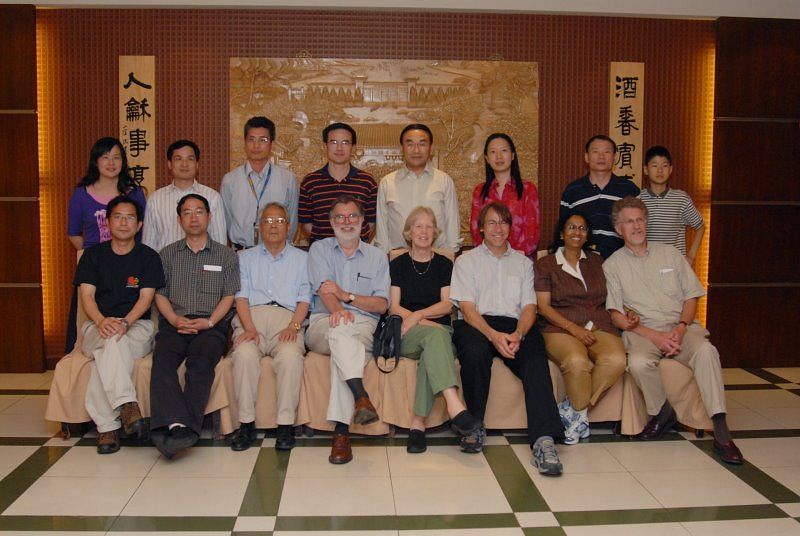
386 340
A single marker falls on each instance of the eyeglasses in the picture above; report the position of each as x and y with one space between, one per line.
341 218
269 220
130 218
491 224
341 143
188 213
573 227
258 139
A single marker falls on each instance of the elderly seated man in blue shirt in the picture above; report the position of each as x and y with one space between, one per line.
271 306
350 282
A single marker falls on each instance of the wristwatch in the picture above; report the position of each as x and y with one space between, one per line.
350 298
295 326
125 323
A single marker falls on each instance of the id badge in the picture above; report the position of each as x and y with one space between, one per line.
255 234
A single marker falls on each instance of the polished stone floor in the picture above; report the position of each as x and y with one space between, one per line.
611 485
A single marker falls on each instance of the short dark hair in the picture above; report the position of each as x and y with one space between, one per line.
417 126
346 199
600 137
122 200
338 126
186 197
657 150
180 144
500 208
260 121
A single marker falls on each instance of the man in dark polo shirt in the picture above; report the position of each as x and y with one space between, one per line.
117 281
202 277
338 177
594 193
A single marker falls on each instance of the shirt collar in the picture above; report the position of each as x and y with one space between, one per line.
264 251
629 251
487 251
662 196
560 259
406 173
352 173
192 188
359 249
249 169
185 245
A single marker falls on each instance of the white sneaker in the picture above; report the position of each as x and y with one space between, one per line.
545 457
567 413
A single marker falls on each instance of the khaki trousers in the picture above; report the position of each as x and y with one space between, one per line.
433 346
110 384
588 371
697 353
287 361
350 348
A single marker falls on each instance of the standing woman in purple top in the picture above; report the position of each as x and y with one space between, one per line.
106 177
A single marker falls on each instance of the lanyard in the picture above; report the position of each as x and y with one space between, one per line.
263 188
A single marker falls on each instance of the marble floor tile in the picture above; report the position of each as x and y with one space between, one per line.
791 374
195 496
436 462
762 399
209 462
772 451
85 461
745 527
337 496
592 491
698 487
649 529
22 425
11 456
660 455
448 495
737 376
75 496
310 462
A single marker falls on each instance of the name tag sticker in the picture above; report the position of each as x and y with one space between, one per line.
667 270
212 268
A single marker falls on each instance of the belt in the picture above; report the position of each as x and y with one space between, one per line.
274 304
239 247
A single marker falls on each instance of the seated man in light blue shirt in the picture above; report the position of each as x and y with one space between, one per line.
271 306
350 282
249 187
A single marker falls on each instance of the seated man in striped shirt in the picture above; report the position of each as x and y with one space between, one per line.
160 225
338 177
669 211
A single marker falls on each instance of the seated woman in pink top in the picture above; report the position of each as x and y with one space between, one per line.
504 183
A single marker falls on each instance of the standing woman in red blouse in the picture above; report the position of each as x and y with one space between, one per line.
504 183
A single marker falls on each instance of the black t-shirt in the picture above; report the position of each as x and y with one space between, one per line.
118 278
420 283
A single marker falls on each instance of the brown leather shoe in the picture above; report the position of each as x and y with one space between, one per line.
365 412
654 429
341 452
107 442
728 452
132 420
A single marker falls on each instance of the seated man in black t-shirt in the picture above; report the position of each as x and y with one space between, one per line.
117 282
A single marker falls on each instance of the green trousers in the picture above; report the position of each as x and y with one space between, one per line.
437 369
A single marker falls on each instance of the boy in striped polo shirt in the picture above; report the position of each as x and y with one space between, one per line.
669 211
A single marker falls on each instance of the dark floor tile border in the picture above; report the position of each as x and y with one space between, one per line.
602 438
263 494
669 515
543 531
793 391
26 473
60 523
173 524
766 375
520 491
23 441
754 477
321 523
251 533
13 392
421 522
751 387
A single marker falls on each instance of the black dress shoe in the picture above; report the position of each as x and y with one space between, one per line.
159 439
180 438
655 429
728 452
244 436
416 442
284 437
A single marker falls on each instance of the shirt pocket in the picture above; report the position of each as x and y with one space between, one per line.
670 283
365 282
211 283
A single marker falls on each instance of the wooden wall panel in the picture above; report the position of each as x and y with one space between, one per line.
18 163
19 245
758 68
754 295
18 53
754 161
77 72
753 326
22 341
755 244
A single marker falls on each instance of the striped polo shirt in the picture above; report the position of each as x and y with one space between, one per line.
668 215
319 190
582 196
